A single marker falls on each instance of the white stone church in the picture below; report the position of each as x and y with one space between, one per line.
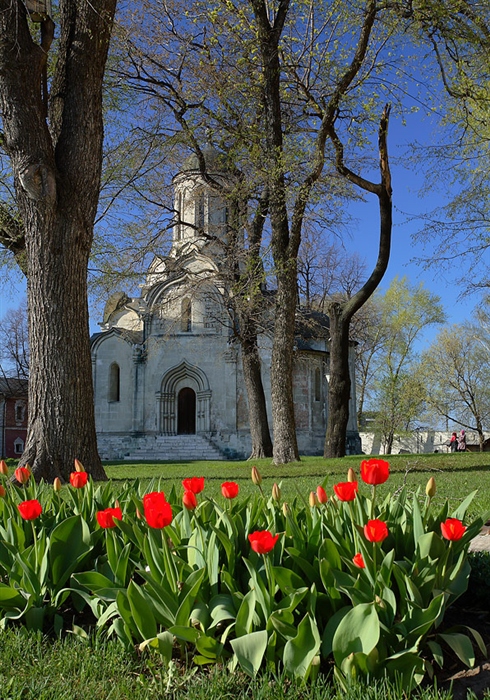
167 373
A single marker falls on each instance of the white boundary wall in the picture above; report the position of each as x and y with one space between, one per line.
414 443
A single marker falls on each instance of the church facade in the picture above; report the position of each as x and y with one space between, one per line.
167 372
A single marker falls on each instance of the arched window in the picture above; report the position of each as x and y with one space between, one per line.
186 316
114 382
18 446
318 384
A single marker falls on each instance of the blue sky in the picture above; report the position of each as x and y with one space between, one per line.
408 205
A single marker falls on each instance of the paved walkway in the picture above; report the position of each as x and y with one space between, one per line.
481 543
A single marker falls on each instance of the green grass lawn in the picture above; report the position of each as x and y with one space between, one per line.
456 475
36 668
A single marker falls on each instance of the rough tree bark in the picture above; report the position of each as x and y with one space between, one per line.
56 161
248 302
284 246
341 313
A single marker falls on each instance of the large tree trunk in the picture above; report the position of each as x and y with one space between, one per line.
60 361
284 246
285 443
56 162
339 384
342 313
257 409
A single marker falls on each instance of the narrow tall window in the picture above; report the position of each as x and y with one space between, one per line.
179 215
318 385
200 211
186 316
114 382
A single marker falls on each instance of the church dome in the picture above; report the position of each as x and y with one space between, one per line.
215 161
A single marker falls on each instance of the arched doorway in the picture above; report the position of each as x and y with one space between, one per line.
186 412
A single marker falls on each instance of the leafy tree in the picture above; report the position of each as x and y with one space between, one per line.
455 371
457 233
53 140
14 343
405 311
276 89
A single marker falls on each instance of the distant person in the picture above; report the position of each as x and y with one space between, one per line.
453 442
462 442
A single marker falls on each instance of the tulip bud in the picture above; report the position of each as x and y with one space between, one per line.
138 514
313 500
351 475
78 466
3 467
116 504
276 492
286 510
2 491
256 477
430 489
321 494
57 484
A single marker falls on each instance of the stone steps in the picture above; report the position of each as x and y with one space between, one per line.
159 447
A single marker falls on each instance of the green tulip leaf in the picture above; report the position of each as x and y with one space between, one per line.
300 651
185 634
11 598
141 611
461 645
408 669
250 650
287 580
359 630
245 615
69 543
209 647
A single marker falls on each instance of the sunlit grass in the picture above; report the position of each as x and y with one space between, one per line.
33 667
456 475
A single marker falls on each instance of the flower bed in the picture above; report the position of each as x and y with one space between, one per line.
252 583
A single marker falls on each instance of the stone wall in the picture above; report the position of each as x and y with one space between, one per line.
417 442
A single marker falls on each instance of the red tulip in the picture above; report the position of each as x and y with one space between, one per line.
3 467
158 512
345 490
106 517
453 529
375 530
321 494
375 471
194 484
22 474
358 560
189 500
230 489
78 479
2 491
30 510
262 541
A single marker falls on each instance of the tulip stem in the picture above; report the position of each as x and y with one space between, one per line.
373 500
270 578
34 544
353 526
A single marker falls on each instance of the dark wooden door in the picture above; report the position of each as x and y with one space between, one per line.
186 416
